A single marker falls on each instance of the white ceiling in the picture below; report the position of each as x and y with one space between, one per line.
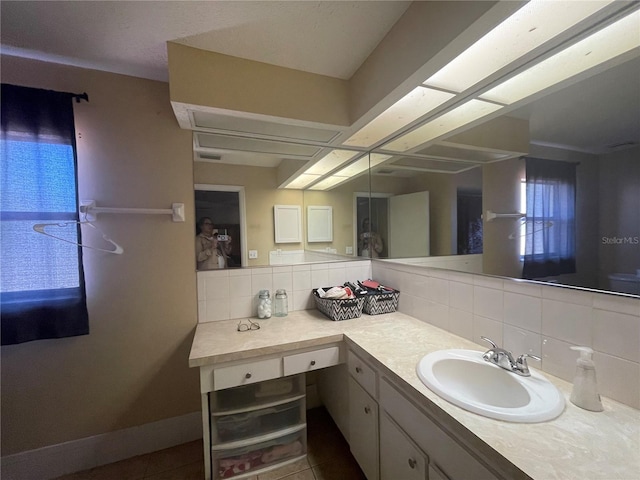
330 38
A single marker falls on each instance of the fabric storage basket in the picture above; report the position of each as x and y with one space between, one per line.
376 303
339 309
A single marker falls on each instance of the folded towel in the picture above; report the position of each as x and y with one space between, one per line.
338 293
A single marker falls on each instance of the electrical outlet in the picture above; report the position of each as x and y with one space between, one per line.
349 250
253 254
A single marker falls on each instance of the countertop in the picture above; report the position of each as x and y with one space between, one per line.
577 445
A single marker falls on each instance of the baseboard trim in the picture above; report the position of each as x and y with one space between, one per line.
76 455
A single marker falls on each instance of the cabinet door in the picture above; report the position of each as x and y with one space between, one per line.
453 460
399 456
363 429
436 474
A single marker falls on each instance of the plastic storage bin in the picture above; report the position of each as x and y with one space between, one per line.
250 460
255 395
241 426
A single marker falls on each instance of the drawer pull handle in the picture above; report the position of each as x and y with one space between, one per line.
358 370
367 410
248 375
412 463
313 362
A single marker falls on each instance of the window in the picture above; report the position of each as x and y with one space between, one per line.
41 279
549 225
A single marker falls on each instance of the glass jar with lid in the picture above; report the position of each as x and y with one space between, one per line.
264 304
281 308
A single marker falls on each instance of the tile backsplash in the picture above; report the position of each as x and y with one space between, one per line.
232 293
524 317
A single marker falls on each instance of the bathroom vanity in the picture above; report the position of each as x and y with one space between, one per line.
368 383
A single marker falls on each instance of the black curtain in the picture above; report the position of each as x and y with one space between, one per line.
550 248
43 291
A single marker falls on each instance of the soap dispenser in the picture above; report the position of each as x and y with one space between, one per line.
585 391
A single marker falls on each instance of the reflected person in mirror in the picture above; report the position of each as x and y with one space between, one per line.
210 253
369 242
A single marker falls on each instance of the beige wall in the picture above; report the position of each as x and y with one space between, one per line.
501 194
212 79
132 368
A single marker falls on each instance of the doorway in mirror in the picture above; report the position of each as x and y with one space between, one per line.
223 206
469 216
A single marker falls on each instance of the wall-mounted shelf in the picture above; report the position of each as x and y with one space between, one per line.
91 210
490 215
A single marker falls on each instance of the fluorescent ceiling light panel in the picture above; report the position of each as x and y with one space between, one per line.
412 106
329 182
302 181
332 160
362 165
606 44
458 117
534 24
359 166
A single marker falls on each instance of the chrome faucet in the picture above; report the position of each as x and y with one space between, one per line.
504 359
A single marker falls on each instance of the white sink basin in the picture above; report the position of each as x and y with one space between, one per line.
465 379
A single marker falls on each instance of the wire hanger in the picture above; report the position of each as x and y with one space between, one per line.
40 228
544 226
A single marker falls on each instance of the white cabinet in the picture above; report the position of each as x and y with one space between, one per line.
392 439
448 458
399 456
436 474
362 372
363 429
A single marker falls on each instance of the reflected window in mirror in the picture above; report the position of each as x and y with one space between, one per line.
550 238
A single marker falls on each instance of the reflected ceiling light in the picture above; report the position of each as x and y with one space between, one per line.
302 181
528 28
359 166
363 164
614 40
329 182
331 161
412 106
458 117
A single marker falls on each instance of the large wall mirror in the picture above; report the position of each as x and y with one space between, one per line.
431 201
569 125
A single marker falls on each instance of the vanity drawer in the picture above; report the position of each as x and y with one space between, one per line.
246 373
362 373
305 362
